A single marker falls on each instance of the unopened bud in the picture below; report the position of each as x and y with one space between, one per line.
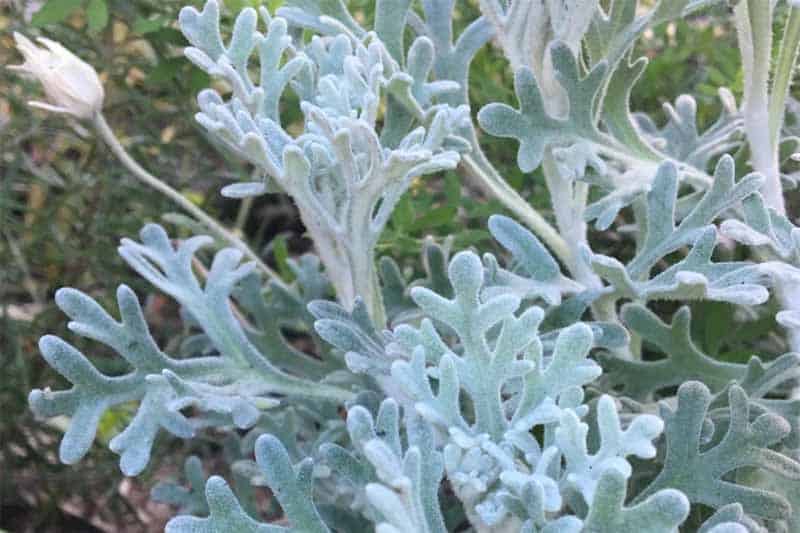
71 85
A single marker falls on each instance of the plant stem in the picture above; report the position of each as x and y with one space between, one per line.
243 213
483 175
754 26
782 77
764 111
569 202
106 133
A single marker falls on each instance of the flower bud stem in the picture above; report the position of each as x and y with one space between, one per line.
105 132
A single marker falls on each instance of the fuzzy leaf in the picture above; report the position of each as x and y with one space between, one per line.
699 470
291 484
531 125
684 362
232 386
662 512
93 393
189 501
226 515
695 276
536 273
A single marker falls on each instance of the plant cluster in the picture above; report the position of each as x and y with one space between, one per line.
541 391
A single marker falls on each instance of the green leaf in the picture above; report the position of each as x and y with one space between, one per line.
198 79
438 216
54 12
97 15
165 71
718 317
470 237
281 254
235 6
143 26
452 189
169 35
403 215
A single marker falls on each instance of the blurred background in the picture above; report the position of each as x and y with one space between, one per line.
65 202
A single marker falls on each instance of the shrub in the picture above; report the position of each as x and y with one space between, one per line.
542 390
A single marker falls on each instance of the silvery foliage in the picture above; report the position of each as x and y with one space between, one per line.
230 386
343 174
490 395
696 276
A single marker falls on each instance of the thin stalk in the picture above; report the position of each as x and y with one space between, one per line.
106 133
489 181
482 174
784 71
242 214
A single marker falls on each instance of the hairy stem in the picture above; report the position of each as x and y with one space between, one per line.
754 26
784 71
569 202
483 175
106 133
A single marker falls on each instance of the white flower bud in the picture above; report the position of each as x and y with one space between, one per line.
71 85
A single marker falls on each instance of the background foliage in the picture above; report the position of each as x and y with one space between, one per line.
65 203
